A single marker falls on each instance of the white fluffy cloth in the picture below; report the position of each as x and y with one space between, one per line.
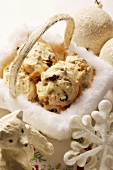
52 124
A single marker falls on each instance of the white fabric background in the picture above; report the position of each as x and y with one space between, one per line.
15 12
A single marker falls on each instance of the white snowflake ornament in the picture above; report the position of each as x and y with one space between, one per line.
92 139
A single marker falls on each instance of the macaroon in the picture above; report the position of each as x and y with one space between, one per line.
24 85
58 87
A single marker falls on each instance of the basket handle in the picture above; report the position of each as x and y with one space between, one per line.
32 40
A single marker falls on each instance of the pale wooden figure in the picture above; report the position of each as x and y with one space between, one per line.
16 142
